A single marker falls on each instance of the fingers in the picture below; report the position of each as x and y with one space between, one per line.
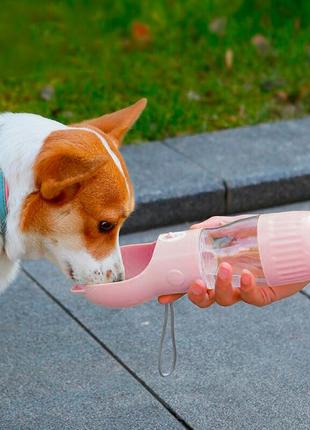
200 295
164 300
197 293
262 296
252 294
225 294
217 221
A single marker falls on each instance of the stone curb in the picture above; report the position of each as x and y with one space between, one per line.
194 177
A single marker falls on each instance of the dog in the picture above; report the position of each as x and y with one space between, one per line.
69 192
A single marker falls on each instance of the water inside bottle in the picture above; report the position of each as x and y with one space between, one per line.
234 243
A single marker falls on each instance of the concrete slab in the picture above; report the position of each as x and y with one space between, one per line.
238 367
169 187
53 375
263 165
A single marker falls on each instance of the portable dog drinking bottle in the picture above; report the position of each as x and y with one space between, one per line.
274 247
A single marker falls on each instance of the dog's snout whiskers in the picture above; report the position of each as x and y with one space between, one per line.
70 271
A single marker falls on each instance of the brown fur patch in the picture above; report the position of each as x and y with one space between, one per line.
79 185
117 124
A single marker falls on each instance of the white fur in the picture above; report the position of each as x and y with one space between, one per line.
21 138
85 269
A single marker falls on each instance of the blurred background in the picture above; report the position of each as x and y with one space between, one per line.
203 64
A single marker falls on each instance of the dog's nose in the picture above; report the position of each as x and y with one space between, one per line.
115 276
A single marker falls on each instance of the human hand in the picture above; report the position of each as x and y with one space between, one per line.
224 294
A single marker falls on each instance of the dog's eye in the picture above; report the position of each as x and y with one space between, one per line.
105 226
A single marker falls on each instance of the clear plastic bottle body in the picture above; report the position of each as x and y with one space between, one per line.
235 243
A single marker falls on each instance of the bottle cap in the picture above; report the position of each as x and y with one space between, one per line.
284 247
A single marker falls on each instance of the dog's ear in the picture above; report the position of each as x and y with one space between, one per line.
63 165
116 124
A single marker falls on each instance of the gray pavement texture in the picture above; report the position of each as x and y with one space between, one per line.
53 375
169 188
246 168
68 364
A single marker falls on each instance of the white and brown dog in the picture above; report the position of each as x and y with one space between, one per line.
69 193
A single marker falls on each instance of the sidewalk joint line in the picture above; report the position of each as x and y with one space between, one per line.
186 157
305 294
110 352
224 182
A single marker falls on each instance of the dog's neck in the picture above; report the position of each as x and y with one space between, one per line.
21 138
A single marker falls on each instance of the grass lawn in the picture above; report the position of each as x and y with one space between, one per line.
203 64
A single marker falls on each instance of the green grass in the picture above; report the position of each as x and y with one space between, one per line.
87 51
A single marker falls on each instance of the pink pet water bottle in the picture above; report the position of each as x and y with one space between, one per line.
274 247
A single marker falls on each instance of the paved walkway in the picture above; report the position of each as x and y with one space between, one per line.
66 364
217 173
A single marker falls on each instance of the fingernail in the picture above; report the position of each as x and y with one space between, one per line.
224 273
246 279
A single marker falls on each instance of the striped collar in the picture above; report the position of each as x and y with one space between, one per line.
4 194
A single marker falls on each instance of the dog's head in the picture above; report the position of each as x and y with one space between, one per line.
83 195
